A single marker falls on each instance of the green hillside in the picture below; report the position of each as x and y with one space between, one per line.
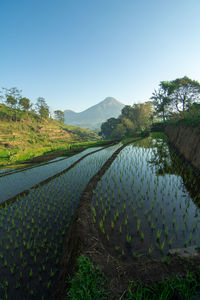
25 135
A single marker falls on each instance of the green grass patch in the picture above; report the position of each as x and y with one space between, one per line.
24 135
88 283
159 135
131 139
170 289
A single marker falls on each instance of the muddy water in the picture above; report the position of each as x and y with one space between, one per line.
147 202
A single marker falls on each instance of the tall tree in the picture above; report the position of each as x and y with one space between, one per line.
119 131
185 92
108 127
11 101
127 112
128 124
25 104
162 101
12 96
42 108
59 115
142 113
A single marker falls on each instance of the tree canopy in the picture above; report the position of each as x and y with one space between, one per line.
59 115
132 119
42 108
25 104
185 92
175 96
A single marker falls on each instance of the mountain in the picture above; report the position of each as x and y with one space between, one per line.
95 115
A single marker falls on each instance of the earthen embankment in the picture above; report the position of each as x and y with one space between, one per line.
186 140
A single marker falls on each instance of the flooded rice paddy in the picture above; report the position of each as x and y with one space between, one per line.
147 202
21 180
33 228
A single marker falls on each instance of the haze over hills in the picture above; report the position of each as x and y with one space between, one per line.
95 115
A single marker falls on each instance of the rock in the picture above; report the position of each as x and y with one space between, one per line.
185 252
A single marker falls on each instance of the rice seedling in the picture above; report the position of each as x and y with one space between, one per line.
166 231
128 238
162 245
150 250
158 234
138 225
170 241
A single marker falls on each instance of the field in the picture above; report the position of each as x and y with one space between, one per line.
16 181
146 202
33 228
142 206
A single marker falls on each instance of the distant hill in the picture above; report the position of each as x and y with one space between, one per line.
93 116
25 134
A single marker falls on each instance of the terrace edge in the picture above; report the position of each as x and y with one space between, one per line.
187 141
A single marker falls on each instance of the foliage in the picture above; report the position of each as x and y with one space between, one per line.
161 102
132 119
88 283
142 115
119 132
173 288
185 92
24 103
175 97
59 115
32 136
42 108
11 101
108 127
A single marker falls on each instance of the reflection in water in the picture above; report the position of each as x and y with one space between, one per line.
168 161
146 202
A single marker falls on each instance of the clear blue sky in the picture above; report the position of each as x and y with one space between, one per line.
74 53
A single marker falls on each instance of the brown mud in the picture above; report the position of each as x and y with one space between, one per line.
83 238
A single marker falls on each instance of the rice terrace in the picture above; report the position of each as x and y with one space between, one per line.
99 150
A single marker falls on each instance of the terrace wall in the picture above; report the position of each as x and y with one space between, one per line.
187 141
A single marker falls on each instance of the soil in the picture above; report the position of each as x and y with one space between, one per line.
187 142
83 238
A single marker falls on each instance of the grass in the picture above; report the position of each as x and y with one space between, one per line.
173 288
131 139
24 135
16 156
90 283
